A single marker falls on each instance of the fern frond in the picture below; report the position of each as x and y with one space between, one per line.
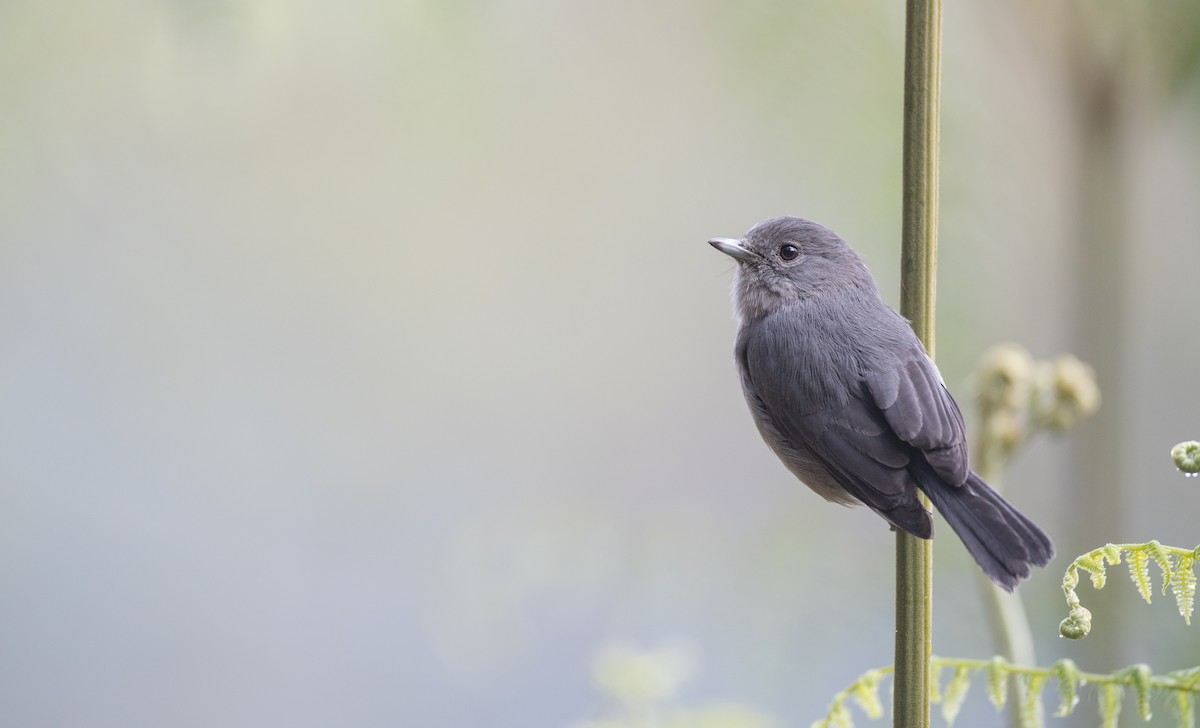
1184 685
1032 708
865 693
843 718
1139 571
935 683
1188 679
1185 709
1177 566
1183 583
956 693
1164 560
1093 566
1068 686
1110 705
1141 678
998 681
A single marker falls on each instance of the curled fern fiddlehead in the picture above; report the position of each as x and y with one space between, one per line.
1187 457
1176 564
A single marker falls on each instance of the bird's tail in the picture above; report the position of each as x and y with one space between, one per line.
1004 543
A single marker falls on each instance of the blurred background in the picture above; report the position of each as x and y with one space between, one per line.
365 365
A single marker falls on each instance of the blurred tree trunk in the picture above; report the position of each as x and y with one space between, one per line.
1101 256
1125 62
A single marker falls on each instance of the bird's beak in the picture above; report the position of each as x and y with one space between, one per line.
732 248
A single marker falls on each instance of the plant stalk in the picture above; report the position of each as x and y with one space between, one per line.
1007 620
918 268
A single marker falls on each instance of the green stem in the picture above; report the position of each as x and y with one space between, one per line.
914 556
1007 620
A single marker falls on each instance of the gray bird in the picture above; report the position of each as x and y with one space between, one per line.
844 393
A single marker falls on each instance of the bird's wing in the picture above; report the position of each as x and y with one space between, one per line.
843 428
863 427
918 408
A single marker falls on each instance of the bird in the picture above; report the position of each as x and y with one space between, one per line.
844 393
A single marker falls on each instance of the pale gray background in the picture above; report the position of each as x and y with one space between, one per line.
364 364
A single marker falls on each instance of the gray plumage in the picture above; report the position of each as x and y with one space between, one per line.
843 392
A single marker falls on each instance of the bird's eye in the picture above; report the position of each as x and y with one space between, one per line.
789 252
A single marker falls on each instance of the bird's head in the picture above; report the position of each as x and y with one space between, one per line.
786 259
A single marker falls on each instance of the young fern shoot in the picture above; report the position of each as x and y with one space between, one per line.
1177 566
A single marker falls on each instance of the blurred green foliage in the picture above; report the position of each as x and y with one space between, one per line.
643 689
